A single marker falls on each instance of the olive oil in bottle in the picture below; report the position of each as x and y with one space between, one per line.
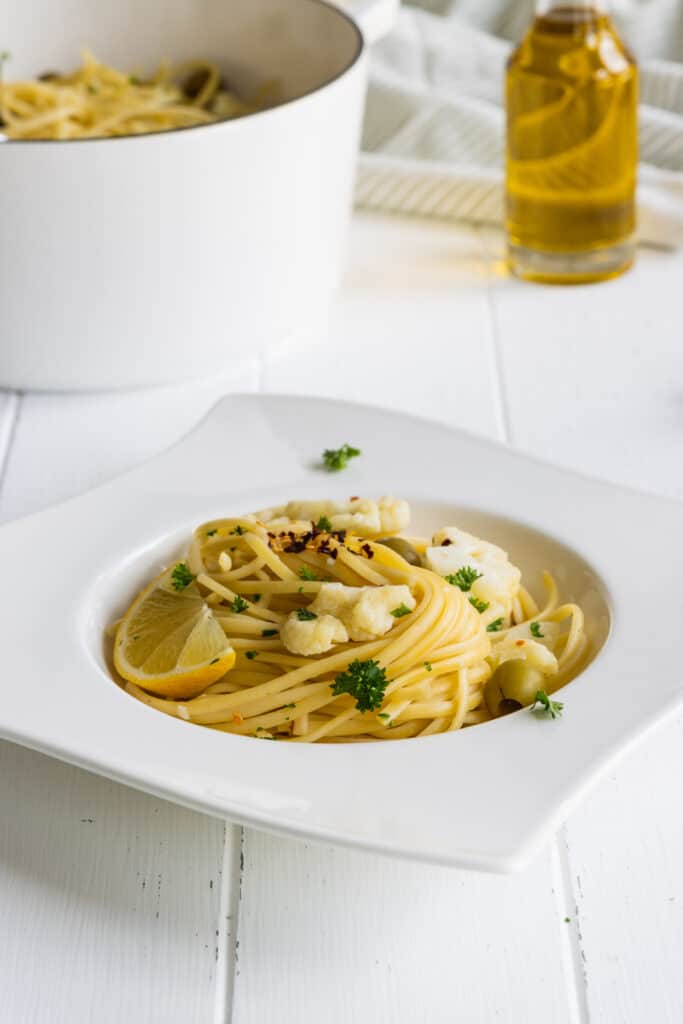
572 147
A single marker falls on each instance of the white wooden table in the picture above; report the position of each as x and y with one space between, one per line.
115 906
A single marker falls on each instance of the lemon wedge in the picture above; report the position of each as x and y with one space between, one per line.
169 643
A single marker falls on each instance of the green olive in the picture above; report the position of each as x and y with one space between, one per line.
403 548
512 686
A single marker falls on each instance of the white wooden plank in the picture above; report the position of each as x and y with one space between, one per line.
110 906
66 444
593 373
409 331
625 851
333 935
127 915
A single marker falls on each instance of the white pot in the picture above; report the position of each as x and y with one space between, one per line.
150 259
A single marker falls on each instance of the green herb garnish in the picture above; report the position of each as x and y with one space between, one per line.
399 612
366 681
255 598
305 615
463 578
324 524
269 632
535 628
481 606
239 530
494 626
211 533
428 666
306 573
547 706
250 655
181 576
335 459
239 605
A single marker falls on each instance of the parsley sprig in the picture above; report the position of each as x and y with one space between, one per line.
239 605
305 615
181 576
366 681
552 708
481 606
306 573
463 578
324 525
335 459
535 628
399 612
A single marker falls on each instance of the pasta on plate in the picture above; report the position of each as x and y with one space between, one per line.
97 101
326 621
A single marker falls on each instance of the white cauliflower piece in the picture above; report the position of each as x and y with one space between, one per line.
499 582
363 516
312 636
365 611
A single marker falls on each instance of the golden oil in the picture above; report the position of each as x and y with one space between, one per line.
572 148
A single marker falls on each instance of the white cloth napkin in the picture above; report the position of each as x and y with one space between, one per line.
433 132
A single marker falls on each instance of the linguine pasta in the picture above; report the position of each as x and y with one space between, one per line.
97 101
339 638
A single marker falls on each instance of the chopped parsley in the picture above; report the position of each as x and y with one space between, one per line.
239 604
290 705
211 533
269 632
384 714
366 681
306 573
305 615
535 628
214 661
335 459
181 576
567 920
134 80
428 666
399 612
463 578
239 530
553 708
481 606
494 626
250 655
324 524
256 598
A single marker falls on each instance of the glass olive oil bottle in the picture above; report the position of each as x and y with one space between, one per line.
572 147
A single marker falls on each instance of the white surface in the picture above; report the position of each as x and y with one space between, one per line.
613 870
160 256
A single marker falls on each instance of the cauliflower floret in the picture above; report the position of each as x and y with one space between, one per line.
365 611
519 642
452 549
312 636
363 516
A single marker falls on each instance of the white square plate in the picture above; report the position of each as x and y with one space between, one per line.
484 797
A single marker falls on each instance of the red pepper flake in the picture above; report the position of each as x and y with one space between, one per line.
237 718
354 497
519 643
368 550
446 543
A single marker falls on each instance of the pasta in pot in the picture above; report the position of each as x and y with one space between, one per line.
340 634
97 101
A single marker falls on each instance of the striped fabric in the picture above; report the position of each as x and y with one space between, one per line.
433 132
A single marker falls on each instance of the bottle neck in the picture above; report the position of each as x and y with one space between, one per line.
571 8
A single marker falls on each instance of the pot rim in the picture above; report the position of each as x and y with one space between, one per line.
360 49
